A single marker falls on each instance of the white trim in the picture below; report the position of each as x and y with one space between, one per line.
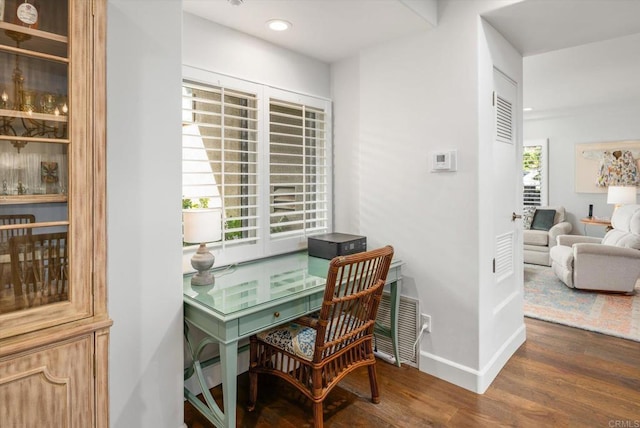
474 380
193 69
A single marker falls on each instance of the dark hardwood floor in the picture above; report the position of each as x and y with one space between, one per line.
560 377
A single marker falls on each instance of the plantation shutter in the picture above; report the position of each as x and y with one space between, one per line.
534 167
220 156
298 177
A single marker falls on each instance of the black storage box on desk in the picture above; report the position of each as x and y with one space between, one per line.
330 245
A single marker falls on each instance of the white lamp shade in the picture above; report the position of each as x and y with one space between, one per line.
621 195
202 225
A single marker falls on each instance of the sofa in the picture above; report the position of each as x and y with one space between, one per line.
538 241
609 264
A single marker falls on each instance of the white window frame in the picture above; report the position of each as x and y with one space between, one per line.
282 245
544 182
264 246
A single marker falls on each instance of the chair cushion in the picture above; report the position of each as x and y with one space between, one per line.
536 237
300 340
543 219
293 338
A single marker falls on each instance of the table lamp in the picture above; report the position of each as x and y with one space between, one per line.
621 195
202 225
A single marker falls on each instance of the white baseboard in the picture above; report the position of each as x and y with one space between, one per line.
474 380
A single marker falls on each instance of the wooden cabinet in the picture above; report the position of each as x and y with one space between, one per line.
54 326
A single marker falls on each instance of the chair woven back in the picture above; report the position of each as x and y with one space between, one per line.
39 268
351 299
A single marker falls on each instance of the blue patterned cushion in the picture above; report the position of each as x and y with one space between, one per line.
298 339
293 338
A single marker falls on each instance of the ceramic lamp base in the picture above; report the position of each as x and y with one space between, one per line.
202 261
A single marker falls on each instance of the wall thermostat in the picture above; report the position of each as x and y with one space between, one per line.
443 161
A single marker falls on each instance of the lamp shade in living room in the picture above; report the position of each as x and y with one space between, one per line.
621 195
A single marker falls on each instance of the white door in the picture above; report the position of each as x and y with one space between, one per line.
507 187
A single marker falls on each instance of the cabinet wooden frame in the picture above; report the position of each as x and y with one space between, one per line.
77 329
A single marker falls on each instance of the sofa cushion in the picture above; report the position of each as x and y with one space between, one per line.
627 218
622 239
527 217
536 237
543 219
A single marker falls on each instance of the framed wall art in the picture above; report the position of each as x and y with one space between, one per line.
599 165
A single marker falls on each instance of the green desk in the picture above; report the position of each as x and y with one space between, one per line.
252 297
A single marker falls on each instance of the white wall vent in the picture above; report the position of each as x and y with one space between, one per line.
408 328
504 120
504 256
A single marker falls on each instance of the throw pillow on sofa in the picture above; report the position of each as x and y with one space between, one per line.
543 219
527 217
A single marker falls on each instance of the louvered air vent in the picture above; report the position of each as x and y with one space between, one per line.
504 113
408 327
504 256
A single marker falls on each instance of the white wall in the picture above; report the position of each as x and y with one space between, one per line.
143 213
399 103
605 109
346 155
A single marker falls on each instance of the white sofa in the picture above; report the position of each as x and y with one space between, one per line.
537 243
611 263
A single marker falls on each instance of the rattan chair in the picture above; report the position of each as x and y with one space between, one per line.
315 354
39 268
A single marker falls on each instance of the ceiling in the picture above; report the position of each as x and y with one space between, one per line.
538 26
331 30
600 69
328 30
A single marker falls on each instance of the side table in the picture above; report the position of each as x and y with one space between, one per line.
595 221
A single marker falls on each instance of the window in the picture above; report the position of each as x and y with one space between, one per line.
262 156
535 171
219 156
297 169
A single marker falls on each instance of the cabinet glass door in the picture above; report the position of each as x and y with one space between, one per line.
45 155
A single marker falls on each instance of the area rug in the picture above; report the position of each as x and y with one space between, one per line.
548 299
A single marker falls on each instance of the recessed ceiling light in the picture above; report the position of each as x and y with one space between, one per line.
527 109
235 2
278 25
